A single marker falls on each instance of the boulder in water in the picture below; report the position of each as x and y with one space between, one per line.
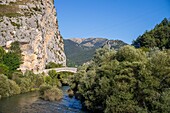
70 93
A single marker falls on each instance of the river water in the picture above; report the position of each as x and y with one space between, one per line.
30 103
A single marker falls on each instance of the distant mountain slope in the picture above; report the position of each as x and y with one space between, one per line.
81 50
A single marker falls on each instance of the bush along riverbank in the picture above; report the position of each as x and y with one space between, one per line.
13 81
127 81
23 83
48 85
51 89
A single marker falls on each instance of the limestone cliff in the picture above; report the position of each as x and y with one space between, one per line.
33 23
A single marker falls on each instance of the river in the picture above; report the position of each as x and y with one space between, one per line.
30 103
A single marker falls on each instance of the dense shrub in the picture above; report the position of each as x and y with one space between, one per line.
12 60
48 80
53 65
4 86
2 53
43 88
8 87
50 93
127 81
4 69
14 88
128 53
15 47
36 79
64 77
24 84
53 74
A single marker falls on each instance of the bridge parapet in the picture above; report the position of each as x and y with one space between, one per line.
64 69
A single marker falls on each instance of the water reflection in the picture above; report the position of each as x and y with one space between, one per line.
16 103
30 103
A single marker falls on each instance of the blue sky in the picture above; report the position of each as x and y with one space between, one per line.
112 19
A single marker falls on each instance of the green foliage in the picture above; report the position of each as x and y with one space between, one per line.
158 37
52 79
29 81
3 69
8 87
53 74
48 80
14 88
43 88
53 65
4 86
50 93
24 84
127 81
12 60
15 47
103 54
2 53
129 53
64 77
9 62
56 78
166 101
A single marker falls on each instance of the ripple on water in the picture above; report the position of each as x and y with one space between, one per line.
29 103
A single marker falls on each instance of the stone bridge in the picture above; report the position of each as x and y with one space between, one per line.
63 69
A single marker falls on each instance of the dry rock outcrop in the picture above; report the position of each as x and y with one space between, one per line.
34 24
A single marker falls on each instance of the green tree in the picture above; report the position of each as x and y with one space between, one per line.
2 53
8 87
3 69
53 74
53 65
157 37
130 81
12 60
129 53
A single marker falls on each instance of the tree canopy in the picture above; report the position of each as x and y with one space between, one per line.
157 37
10 61
127 81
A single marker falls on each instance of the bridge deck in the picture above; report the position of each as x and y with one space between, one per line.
63 69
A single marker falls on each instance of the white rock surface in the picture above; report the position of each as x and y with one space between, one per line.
37 27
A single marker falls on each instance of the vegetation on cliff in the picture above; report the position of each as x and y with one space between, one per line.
53 65
127 81
10 61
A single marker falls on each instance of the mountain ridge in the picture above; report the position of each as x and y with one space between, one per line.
81 50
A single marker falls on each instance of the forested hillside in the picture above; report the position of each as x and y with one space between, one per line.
79 51
157 37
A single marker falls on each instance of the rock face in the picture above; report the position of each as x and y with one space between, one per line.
33 23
